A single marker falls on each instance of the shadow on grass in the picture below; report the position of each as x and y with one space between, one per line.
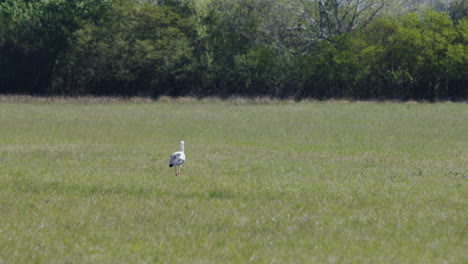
38 187
60 188
219 194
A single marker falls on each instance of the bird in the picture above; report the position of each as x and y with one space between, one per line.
177 159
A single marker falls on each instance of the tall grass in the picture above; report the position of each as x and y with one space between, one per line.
278 182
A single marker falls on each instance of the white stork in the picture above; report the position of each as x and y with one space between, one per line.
177 159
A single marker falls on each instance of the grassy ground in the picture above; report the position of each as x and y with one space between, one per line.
282 182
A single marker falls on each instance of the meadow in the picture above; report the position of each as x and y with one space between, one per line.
264 182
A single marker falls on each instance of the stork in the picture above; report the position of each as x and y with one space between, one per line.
177 159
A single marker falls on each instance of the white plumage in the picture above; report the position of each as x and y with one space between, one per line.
177 159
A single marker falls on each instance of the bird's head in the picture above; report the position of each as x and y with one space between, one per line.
177 159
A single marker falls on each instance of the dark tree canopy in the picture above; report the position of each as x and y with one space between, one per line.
363 49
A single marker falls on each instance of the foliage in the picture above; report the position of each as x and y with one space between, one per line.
32 36
415 58
288 48
135 49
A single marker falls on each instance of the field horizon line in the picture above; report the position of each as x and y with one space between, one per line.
236 100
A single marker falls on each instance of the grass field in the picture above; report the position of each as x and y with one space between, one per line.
264 182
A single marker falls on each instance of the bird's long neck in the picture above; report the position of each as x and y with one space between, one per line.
182 146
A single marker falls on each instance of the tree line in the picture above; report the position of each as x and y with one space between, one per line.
360 49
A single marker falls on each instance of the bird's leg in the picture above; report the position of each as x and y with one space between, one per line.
176 174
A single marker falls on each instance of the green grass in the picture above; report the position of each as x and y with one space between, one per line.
280 182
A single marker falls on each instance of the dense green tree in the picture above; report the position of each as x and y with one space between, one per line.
417 56
137 49
287 48
33 34
230 28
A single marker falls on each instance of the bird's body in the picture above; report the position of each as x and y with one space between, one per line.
177 159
